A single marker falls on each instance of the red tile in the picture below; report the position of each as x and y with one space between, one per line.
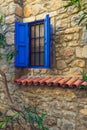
36 81
48 81
61 82
55 82
29 81
84 83
42 81
77 83
18 81
70 82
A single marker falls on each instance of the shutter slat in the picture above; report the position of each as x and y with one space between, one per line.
21 44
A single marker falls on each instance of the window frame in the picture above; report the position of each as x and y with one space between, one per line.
30 23
23 46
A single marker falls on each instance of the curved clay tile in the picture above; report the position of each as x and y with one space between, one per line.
84 83
41 82
19 81
77 83
49 80
70 82
54 82
23 81
30 81
36 81
61 82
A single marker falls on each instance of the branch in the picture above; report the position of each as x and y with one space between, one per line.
6 86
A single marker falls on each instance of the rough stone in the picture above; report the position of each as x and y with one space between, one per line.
11 8
68 38
61 64
68 52
30 19
53 128
27 11
68 125
10 38
18 10
79 63
84 52
79 51
10 19
83 111
72 30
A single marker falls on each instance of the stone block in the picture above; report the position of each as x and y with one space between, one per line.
29 19
78 63
54 128
76 71
84 52
1 1
79 51
40 16
67 125
72 30
68 37
84 112
11 8
59 123
10 19
53 14
61 64
18 10
27 11
10 38
68 52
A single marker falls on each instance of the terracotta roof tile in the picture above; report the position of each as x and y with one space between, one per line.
62 81
71 82
77 83
41 82
54 82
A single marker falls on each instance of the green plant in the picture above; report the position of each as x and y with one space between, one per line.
22 116
27 117
82 7
84 77
10 54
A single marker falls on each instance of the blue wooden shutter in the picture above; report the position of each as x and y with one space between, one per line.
21 44
47 41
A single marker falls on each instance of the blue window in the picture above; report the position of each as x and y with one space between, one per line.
32 42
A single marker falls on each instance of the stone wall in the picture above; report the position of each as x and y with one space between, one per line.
66 108
69 40
11 11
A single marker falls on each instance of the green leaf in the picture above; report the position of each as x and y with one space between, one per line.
10 55
2 124
1 18
82 18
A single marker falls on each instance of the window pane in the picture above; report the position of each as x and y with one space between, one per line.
32 58
32 42
32 31
37 58
37 45
41 30
41 41
37 31
41 59
33 49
